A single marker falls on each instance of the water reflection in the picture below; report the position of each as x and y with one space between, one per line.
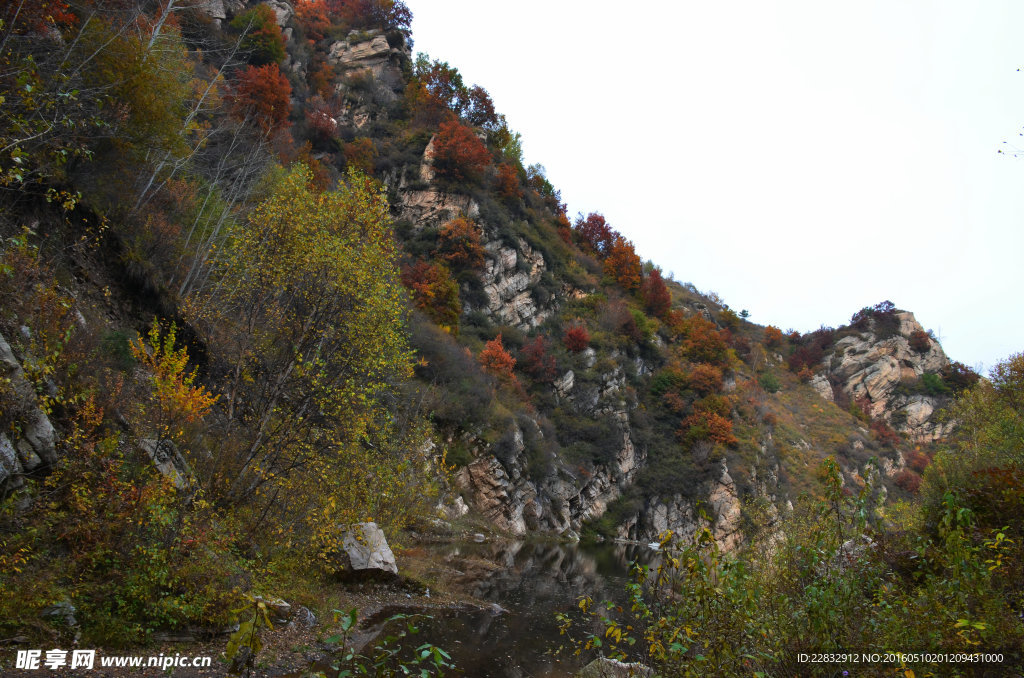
532 581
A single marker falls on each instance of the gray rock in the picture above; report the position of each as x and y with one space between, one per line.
603 667
62 613
365 549
303 618
168 461
10 465
278 609
36 428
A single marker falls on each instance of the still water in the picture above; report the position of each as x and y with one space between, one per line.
532 582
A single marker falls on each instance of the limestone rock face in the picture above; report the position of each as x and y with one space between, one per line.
365 549
508 276
559 501
432 207
374 56
678 515
870 370
283 11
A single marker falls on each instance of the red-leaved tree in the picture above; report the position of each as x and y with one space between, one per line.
657 299
459 244
262 95
459 155
595 232
537 361
576 338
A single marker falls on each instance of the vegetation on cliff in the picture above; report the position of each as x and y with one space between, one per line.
268 275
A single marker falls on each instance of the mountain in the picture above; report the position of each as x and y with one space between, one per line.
265 274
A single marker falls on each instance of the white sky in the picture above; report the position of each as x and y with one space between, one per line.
801 159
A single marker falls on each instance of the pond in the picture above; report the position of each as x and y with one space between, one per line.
532 581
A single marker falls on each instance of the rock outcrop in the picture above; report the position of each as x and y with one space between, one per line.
870 371
559 501
35 444
507 278
678 515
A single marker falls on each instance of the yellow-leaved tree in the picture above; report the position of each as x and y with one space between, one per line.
307 316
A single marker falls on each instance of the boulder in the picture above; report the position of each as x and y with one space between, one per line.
365 549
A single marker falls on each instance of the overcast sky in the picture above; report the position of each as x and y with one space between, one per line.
801 159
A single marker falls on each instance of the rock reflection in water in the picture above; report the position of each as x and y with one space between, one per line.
532 581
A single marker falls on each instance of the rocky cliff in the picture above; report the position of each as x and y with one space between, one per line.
879 373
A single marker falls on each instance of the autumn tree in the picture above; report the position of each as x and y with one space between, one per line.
536 359
772 336
480 109
459 244
442 82
707 425
507 183
314 18
623 265
702 342
360 154
595 233
384 14
262 39
497 360
576 338
657 299
306 316
434 291
262 95
459 155
704 378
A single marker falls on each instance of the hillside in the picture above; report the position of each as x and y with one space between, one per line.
265 273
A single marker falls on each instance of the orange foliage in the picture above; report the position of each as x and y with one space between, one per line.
564 228
38 16
496 360
321 79
459 244
918 461
576 338
360 154
623 265
705 378
703 342
772 336
262 94
313 18
321 117
434 292
707 425
459 154
507 183
428 110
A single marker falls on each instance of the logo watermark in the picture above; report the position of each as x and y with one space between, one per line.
34 660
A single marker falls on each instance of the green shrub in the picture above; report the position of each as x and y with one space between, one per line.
769 382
